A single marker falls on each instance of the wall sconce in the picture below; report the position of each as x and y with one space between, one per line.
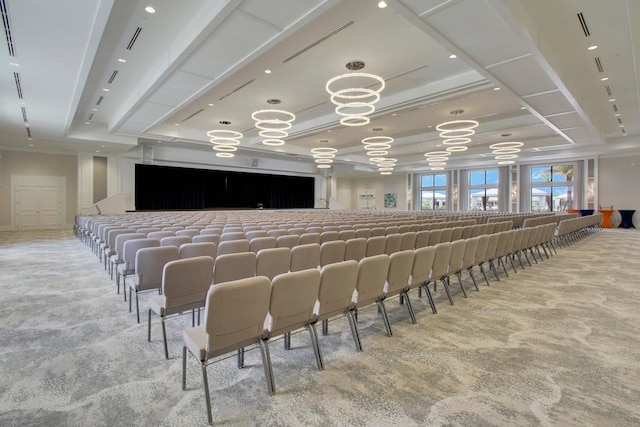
590 189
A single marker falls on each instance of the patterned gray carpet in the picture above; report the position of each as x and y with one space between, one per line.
554 345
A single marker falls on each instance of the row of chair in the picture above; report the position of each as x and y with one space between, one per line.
574 229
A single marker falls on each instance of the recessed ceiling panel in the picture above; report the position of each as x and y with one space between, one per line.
420 7
478 31
523 76
280 13
131 127
149 112
236 38
565 121
177 88
550 103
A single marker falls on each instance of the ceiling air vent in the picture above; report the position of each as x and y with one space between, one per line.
29 132
599 65
619 121
608 89
237 89
583 24
100 100
615 108
16 77
90 116
317 42
193 115
7 28
136 33
113 76
24 115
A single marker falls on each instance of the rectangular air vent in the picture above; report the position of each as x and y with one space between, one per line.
7 28
193 115
237 89
317 42
24 115
608 89
599 65
619 121
100 100
90 116
28 132
113 76
136 33
583 24
16 77
615 108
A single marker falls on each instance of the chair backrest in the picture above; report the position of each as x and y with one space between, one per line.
404 228
346 234
236 266
456 234
304 257
150 264
355 249
422 238
481 250
173 228
191 233
400 266
422 265
392 229
332 252
277 232
502 243
435 237
258 243
192 250
408 240
288 241
314 229
441 261
293 298
297 231
363 232
131 246
233 247
121 239
111 238
337 283
211 238
376 245
160 234
185 283
492 246
447 234
274 261
457 255
254 234
175 241
372 276
329 236
228 236
392 243
147 230
235 313
211 231
307 238
470 251
378 231
467 231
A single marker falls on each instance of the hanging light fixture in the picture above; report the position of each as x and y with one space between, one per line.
273 125
323 156
505 152
356 101
224 142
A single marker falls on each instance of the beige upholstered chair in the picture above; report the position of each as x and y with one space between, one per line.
372 277
346 234
119 240
435 237
236 266
234 318
378 231
363 233
335 297
233 247
277 232
355 249
455 265
293 298
408 240
304 257
376 245
191 250
160 234
176 241
150 264
422 239
228 236
258 243
468 259
421 272
456 234
129 249
392 243
307 238
211 238
329 236
288 241
400 266
274 261
447 234
253 234
441 266
191 233
185 283
332 252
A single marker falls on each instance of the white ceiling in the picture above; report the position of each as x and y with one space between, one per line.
191 54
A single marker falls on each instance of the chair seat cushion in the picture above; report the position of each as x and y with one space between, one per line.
157 304
195 339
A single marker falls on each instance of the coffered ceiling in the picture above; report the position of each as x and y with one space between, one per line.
108 76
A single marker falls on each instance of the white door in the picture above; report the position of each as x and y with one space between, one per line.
38 207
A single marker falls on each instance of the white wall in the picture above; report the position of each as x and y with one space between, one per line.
348 190
618 180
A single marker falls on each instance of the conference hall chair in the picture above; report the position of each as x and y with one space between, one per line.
211 238
233 247
211 231
173 228
335 296
467 231
277 232
185 283
274 261
147 230
490 254
481 253
110 246
447 234
127 267
377 231
392 243
188 233
233 235
160 234
422 239
408 240
304 257
116 259
253 234
307 238
149 267
455 264
230 267
288 241
435 237
440 267
346 234
363 233
355 249
192 250
175 241
234 318
392 229
421 272
370 287
329 236
456 234
258 243
291 307
376 245
468 259
332 252
297 231
400 266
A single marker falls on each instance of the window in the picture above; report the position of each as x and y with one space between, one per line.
433 194
483 190
551 188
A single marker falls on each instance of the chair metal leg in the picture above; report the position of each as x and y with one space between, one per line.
473 279
494 269
164 338
445 282
484 274
316 346
137 307
184 368
241 358
430 298
149 327
325 327
412 314
268 369
459 276
130 300
354 330
206 391
503 266
385 318
510 257
287 341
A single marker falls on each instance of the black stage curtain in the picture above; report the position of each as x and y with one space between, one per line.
166 188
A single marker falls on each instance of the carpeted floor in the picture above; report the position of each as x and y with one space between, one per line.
554 345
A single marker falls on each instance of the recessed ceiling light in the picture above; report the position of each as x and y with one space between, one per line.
122 60
382 4
453 56
210 105
97 151
31 145
102 146
617 115
523 108
150 9
87 123
176 124
104 89
594 47
620 126
267 71
604 79
612 100
14 64
394 114
496 88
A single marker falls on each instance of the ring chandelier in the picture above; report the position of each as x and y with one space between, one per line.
224 141
273 125
355 104
376 147
323 156
385 165
505 152
455 134
437 159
